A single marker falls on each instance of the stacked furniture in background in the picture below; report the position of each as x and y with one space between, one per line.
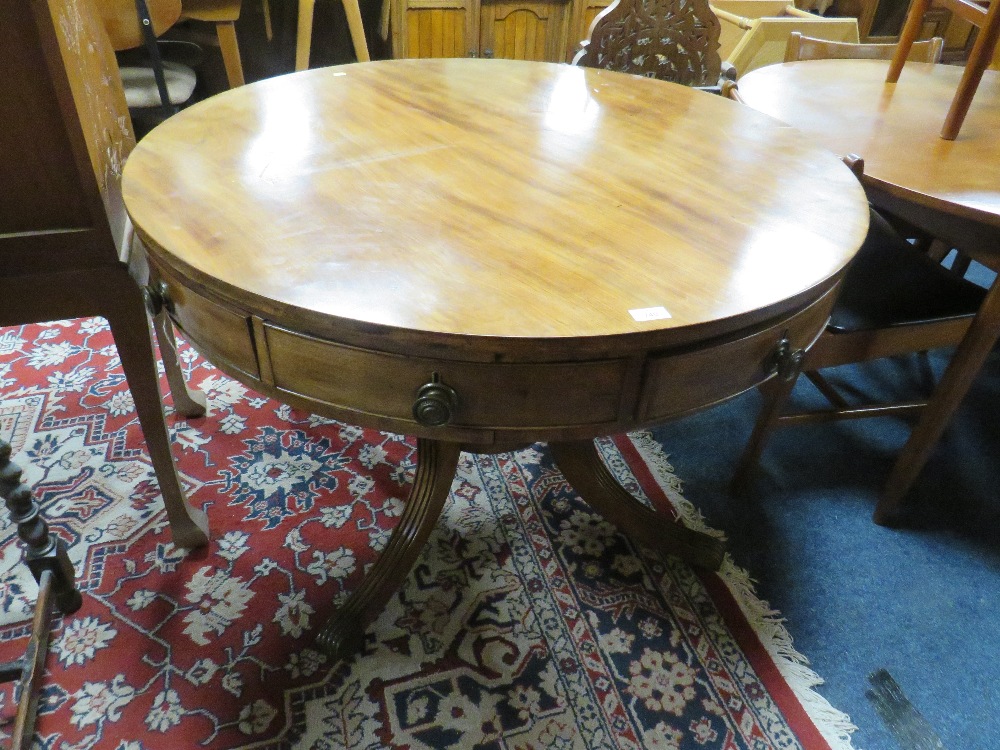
755 32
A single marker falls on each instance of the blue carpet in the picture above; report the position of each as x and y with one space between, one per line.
920 601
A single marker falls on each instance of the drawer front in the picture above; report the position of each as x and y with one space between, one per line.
675 383
494 396
220 333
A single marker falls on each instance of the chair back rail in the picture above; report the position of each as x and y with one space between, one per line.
71 133
121 20
802 47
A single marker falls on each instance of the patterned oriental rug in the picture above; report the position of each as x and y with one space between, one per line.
528 622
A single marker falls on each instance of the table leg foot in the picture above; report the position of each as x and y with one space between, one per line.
436 465
583 468
188 525
889 517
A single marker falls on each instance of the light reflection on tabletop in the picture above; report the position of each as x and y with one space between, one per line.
417 194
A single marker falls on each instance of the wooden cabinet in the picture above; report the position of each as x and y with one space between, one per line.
523 31
526 30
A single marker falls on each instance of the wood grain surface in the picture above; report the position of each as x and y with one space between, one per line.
494 202
848 107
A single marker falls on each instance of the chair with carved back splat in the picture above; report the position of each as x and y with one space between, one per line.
65 239
666 39
801 47
894 300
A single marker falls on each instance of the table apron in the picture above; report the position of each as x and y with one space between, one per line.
496 403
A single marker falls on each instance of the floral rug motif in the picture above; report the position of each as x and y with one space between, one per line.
527 622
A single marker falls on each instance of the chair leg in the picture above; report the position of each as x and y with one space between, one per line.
188 402
383 20
938 250
776 392
357 30
230 53
979 59
965 365
125 310
960 266
909 34
303 38
268 28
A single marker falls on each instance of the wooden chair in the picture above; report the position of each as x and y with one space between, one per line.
154 87
666 39
224 14
65 239
48 561
303 39
801 47
894 300
986 19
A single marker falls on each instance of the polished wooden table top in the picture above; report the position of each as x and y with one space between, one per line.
498 201
848 107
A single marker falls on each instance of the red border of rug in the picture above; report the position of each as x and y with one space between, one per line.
798 719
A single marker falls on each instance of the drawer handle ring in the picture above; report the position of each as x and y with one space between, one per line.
435 403
157 298
786 362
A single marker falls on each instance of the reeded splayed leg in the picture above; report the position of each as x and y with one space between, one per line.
583 468
436 465
189 402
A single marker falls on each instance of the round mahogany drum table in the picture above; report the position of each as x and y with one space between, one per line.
486 253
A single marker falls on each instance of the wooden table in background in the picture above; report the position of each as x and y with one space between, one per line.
951 189
484 254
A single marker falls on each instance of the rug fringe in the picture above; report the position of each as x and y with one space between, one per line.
835 725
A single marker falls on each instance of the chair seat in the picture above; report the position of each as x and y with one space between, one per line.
890 283
140 85
212 11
